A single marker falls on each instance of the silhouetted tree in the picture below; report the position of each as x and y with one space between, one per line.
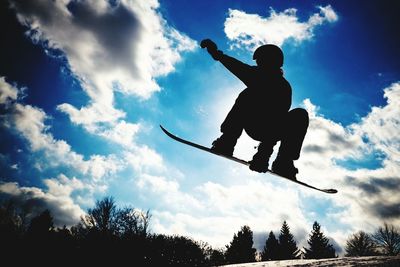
11 231
271 248
111 236
22 236
40 238
131 222
319 245
213 257
174 251
360 244
103 216
287 244
241 248
387 239
216 258
64 238
41 225
11 226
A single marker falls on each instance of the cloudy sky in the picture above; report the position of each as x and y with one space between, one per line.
85 84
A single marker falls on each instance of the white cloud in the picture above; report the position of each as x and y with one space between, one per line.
122 133
381 126
92 114
252 30
122 47
368 193
7 91
14 166
214 210
49 153
143 158
158 184
109 48
327 13
168 191
378 131
330 139
57 199
30 123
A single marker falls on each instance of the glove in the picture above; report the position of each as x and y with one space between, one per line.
209 44
212 49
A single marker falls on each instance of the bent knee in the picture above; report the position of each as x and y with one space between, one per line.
299 114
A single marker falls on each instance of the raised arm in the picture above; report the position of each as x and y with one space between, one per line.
241 70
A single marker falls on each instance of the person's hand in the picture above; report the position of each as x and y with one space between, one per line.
209 44
212 48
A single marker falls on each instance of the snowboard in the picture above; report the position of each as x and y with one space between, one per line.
247 163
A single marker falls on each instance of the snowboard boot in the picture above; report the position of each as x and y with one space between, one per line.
285 168
260 160
224 145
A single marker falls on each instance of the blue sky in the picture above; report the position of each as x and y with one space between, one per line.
85 84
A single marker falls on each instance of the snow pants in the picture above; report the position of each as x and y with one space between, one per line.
251 114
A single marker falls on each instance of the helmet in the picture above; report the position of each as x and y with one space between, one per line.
270 54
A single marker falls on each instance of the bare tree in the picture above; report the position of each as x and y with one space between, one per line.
133 222
103 216
360 244
388 239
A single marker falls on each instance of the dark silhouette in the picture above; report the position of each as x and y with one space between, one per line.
241 250
319 245
271 248
287 244
360 244
217 257
107 235
41 224
262 110
112 236
387 239
103 216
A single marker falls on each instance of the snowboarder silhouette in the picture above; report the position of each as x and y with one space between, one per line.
262 110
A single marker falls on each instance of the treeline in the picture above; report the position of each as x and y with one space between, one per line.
107 235
284 247
112 235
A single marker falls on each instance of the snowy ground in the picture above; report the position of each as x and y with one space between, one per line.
345 261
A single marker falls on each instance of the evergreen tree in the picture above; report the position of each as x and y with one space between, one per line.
241 247
360 244
271 248
287 245
319 245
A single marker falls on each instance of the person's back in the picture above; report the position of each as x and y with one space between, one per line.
270 98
